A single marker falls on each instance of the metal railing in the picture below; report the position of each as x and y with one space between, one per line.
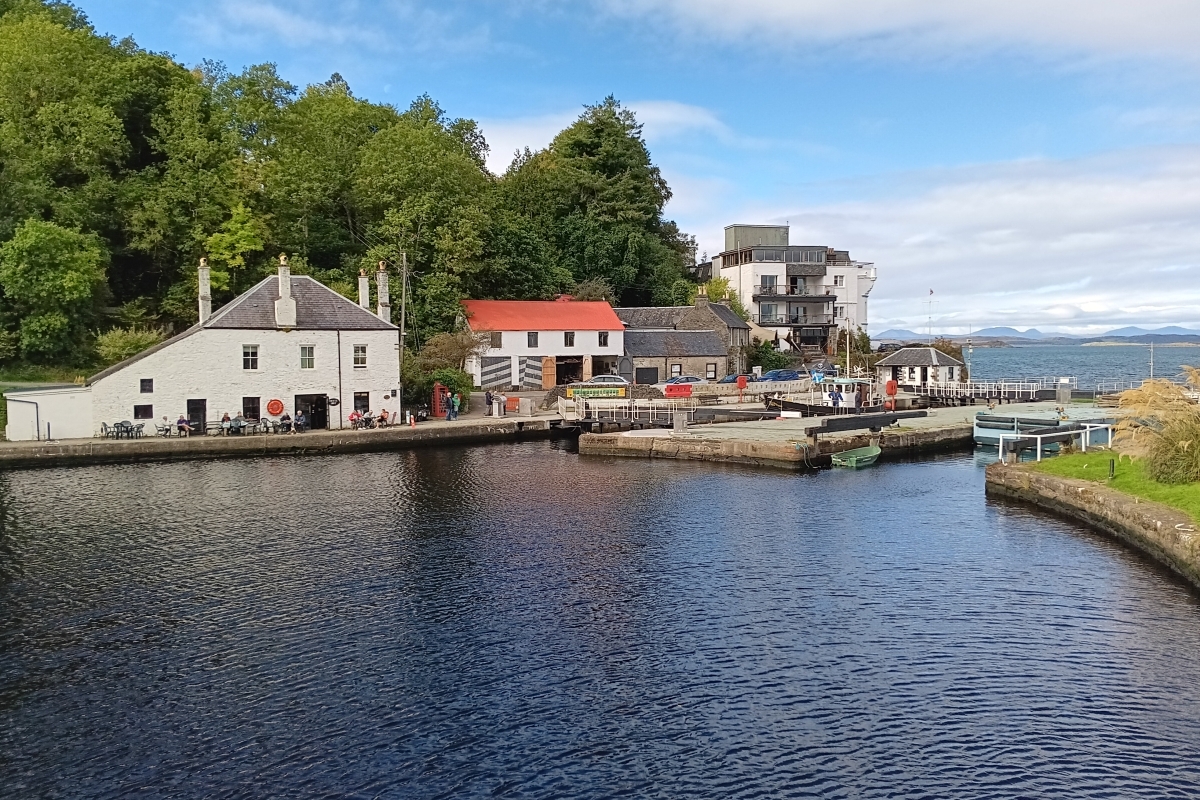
794 292
1015 390
1084 432
785 319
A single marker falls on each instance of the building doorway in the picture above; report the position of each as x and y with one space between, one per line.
197 414
316 408
568 369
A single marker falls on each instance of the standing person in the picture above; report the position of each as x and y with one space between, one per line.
502 400
487 403
456 404
857 400
834 397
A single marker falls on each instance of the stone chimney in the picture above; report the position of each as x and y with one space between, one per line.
205 291
702 298
364 289
383 307
285 306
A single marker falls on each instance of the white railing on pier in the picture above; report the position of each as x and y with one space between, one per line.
983 389
1084 432
646 411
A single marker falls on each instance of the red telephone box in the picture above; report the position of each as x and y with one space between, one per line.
439 404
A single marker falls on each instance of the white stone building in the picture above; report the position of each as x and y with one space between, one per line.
540 344
288 338
919 366
802 293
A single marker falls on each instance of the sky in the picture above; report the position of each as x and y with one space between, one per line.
1032 163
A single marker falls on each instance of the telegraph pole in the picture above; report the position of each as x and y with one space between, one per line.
403 310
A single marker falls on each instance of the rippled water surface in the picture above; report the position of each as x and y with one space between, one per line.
515 621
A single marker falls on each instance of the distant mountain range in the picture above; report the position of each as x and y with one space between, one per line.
1173 332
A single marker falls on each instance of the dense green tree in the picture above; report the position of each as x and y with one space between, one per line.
143 166
53 277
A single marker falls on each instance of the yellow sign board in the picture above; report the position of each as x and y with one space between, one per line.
596 391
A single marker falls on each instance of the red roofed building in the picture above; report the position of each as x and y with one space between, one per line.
540 344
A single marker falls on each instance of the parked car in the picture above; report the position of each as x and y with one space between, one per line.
692 379
614 380
733 378
781 375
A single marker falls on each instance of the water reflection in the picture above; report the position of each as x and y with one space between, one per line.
515 620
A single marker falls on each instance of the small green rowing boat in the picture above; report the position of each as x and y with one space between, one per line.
858 457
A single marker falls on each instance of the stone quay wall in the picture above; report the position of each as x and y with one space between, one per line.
795 454
1165 534
22 455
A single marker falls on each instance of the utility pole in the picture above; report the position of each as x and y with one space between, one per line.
403 302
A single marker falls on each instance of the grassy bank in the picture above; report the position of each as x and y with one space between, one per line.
1130 479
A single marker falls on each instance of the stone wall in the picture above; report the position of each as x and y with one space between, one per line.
794 454
1166 534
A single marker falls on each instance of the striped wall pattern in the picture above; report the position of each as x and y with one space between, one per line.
496 372
531 372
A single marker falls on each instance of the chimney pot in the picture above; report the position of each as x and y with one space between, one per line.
285 306
383 308
364 289
205 293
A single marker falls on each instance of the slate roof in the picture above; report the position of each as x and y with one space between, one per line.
651 316
318 308
673 344
727 316
663 317
919 357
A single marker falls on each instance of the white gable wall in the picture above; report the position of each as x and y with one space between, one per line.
67 410
208 365
515 345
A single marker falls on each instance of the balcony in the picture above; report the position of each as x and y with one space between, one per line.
792 319
795 293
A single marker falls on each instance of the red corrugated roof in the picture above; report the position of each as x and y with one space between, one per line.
541 315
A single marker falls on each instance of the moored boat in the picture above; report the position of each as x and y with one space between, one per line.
858 457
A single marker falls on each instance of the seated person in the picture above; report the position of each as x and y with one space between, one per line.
185 427
285 422
301 422
226 422
355 418
383 418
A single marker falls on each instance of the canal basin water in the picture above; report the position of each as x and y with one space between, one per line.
515 621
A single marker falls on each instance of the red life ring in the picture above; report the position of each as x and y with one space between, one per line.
274 407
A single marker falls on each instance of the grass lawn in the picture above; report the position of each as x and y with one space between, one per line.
1131 479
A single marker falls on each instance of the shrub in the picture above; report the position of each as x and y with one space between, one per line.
1163 427
456 380
122 343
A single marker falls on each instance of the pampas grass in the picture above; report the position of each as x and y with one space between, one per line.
1162 427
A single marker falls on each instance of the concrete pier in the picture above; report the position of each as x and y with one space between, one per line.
69 452
775 443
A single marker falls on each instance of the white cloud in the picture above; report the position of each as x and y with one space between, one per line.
661 120
1064 245
308 24
932 28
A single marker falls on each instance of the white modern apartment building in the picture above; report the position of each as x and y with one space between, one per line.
801 292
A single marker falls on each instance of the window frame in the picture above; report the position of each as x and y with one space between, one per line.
257 405
531 339
602 339
496 339
355 354
250 357
147 411
676 370
311 357
710 371
568 338
146 386
839 281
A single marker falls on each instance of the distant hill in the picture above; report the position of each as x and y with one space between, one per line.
1011 333
901 335
1170 330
